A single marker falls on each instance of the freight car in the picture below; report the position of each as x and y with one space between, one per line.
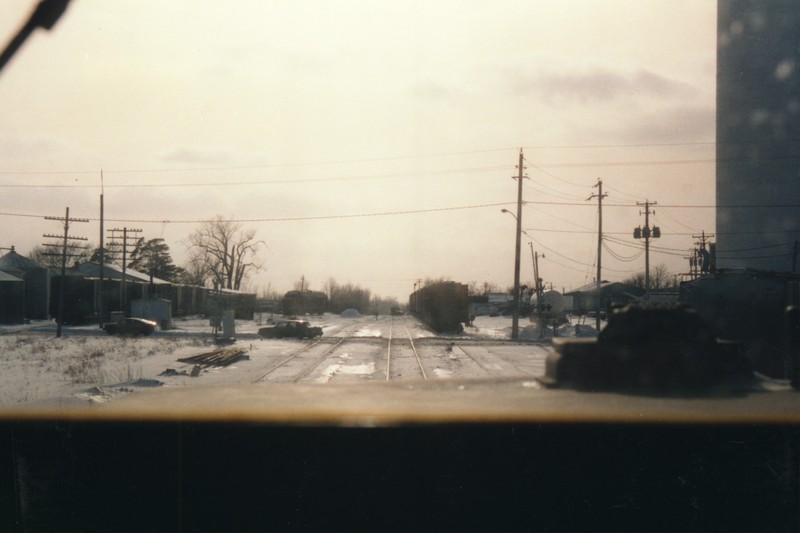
81 298
443 306
297 303
242 304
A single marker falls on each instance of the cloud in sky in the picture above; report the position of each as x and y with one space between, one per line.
600 86
197 157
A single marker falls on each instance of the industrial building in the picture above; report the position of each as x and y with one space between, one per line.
36 281
758 124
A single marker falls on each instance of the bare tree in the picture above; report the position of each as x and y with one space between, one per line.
660 278
197 268
347 296
51 257
224 253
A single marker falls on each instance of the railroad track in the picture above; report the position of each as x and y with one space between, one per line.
392 341
493 353
295 354
398 355
290 357
472 357
416 353
389 351
315 363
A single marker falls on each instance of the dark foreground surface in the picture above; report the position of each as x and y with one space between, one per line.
542 467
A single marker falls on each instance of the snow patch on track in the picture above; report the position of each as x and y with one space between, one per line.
341 368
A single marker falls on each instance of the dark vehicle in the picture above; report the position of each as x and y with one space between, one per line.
131 326
300 329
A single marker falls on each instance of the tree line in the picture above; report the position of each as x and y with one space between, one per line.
222 254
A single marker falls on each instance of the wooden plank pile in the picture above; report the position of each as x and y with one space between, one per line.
218 357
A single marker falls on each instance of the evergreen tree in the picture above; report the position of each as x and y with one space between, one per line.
153 257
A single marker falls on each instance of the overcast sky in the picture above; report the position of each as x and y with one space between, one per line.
373 141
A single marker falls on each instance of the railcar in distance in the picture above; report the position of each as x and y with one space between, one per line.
298 303
442 306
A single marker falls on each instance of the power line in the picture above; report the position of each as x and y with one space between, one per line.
576 261
619 257
582 186
654 145
585 229
291 219
622 193
668 215
550 191
754 248
442 154
259 182
661 250
539 166
261 166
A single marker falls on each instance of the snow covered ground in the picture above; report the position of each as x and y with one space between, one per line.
85 364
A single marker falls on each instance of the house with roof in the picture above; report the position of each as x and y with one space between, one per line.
584 299
36 280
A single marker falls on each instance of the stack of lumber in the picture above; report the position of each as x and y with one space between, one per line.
219 357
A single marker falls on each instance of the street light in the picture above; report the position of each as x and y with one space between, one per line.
515 310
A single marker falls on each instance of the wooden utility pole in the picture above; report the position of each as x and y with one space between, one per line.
125 231
598 288
537 287
692 263
102 255
65 238
646 233
515 314
703 252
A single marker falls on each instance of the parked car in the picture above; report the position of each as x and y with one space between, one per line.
131 326
300 329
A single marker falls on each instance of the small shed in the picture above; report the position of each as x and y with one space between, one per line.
156 309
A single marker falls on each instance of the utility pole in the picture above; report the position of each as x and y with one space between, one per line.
415 296
102 254
703 260
65 238
515 315
537 286
114 237
599 197
692 263
646 233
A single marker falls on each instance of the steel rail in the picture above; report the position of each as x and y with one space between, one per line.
304 349
389 352
514 365
471 357
416 354
289 358
315 363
